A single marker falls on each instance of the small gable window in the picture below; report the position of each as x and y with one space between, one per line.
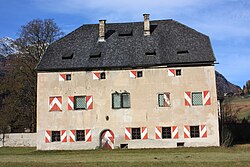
178 72
139 74
103 75
68 77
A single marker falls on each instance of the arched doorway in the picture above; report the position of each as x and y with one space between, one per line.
107 139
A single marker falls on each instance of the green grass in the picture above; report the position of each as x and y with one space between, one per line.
211 156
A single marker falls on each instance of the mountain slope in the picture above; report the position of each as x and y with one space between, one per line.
224 86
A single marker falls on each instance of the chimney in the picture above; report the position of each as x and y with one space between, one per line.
146 25
102 26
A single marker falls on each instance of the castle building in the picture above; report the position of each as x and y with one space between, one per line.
147 84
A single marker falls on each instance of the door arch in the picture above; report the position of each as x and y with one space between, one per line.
107 139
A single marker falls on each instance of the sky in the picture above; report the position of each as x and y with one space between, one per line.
226 22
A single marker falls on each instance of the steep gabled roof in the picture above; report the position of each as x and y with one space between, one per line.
170 43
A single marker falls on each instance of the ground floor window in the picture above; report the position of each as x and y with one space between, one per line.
136 133
55 136
80 135
166 132
194 131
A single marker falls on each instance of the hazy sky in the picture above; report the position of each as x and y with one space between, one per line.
226 22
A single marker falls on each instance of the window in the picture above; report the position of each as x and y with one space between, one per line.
195 131
80 135
166 132
55 136
120 100
136 133
164 100
139 74
103 75
68 77
161 100
178 72
182 52
197 98
80 102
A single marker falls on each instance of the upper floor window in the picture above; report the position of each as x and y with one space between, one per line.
68 77
164 99
197 99
120 100
135 74
178 72
138 74
103 75
80 102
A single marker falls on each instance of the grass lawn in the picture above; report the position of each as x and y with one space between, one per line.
212 156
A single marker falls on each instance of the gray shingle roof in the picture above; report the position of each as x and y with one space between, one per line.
130 49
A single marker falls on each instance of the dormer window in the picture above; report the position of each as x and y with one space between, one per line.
125 32
95 54
150 52
67 56
182 52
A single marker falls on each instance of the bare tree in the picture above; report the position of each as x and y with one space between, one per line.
228 116
35 37
19 82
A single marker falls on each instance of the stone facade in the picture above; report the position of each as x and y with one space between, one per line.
144 111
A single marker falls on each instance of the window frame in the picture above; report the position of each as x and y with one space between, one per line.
75 105
201 104
68 77
102 75
177 73
159 95
134 133
162 94
139 74
195 131
80 138
121 98
168 134
56 136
